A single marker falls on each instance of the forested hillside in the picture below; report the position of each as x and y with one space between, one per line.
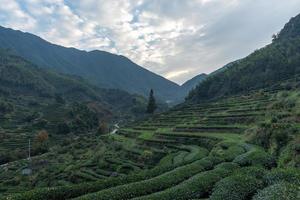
21 78
102 69
266 67
187 86
34 99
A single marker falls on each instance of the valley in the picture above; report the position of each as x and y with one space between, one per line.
83 129
187 146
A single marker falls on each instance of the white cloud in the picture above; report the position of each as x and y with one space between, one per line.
176 73
13 16
177 39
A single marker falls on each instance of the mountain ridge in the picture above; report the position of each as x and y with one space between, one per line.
192 83
101 68
262 69
20 78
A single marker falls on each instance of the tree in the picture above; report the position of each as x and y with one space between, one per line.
103 128
151 103
42 136
146 156
274 37
42 145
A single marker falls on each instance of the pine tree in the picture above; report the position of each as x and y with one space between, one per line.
151 103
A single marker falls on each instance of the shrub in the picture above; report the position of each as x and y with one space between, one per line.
66 192
125 168
230 166
272 135
254 171
146 155
42 136
207 161
278 175
152 185
236 187
290 155
103 128
227 151
279 191
256 157
195 187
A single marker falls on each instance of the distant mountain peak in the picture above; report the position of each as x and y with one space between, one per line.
194 81
266 68
101 68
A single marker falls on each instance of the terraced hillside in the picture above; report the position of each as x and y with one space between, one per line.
241 147
33 100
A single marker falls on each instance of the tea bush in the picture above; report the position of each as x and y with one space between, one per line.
152 185
197 186
236 187
279 191
291 175
256 157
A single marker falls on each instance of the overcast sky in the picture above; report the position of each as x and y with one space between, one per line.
177 39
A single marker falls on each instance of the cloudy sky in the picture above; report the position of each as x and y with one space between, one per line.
177 39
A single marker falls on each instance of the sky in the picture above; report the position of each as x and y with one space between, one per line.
177 39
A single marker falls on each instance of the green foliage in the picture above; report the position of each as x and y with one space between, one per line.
284 104
256 157
236 187
195 187
227 150
253 171
152 185
63 192
84 119
146 155
119 166
290 156
28 84
151 103
268 134
291 175
279 191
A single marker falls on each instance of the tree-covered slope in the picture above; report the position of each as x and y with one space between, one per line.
23 84
191 84
101 68
266 67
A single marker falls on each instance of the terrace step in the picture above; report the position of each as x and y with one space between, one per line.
221 129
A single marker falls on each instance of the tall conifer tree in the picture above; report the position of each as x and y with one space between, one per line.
151 103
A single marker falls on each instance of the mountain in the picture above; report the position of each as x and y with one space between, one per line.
101 68
191 84
264 68
30 95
